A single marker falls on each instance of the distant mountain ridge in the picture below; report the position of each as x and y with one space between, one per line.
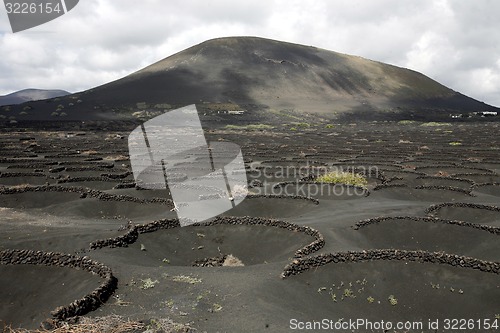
263 76
26 95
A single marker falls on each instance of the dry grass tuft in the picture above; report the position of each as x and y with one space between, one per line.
108 324
19 187
232 261
89 152
116 158
112 324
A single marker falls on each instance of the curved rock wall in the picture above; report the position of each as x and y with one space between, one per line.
301 265
80 306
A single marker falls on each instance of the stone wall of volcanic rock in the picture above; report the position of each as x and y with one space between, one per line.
132 234
301 265
80 306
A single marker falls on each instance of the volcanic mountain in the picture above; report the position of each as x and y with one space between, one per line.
262 76
26 95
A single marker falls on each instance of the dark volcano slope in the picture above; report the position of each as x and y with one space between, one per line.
261 76
26 95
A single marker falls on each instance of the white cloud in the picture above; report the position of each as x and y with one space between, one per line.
454 42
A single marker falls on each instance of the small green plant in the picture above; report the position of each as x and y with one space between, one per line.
329 126
406 122
23 113
293 128
186 279
455 143
162 106
216 307
435 124
348 293
370 299
250 127
141 105
54 114
392 300
348 178
148 284
153 325
497 316
63 114
165 260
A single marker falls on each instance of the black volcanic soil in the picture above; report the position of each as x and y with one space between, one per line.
62 190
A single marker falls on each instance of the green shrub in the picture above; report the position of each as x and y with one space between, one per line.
329 126
348 178
162 106
250 127
349 293
435 124
148 284
455 143
141 105
259 126
186 279
406 122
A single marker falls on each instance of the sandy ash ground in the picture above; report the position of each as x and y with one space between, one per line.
433 192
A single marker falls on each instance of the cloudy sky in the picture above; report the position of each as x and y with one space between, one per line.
456 42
